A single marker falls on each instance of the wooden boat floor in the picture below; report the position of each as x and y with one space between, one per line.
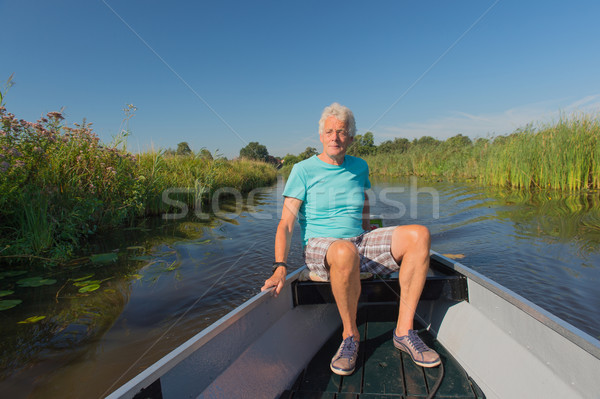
382 371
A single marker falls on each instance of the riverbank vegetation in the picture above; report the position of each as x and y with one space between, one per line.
561 156
60 185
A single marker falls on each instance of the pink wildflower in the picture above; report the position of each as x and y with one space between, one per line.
55 115
14 152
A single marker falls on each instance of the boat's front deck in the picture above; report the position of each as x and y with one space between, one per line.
382 371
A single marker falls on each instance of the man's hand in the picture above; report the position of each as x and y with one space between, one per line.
277 280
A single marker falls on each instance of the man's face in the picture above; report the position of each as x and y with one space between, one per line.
335 138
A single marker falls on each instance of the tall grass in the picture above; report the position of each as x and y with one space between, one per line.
59 185
201 177
438 160
561 156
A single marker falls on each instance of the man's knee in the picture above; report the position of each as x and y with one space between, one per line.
422 234
342 253
413 239
414 234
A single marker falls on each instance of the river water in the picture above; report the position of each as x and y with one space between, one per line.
165 280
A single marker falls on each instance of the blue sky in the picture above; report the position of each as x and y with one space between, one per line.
221 74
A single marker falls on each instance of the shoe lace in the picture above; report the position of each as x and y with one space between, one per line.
415 342
348 348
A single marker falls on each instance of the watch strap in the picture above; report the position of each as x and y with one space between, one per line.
277 264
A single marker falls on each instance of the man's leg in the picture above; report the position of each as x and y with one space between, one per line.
410 245
344 274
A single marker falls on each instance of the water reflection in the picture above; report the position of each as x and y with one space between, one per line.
543 246
573 219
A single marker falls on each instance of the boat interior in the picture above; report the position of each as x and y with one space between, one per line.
382 370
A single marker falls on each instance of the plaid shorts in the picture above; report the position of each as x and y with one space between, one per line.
374 249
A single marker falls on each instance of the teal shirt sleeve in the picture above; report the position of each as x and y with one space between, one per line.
295 186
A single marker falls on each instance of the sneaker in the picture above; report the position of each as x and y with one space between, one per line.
344 361
420 353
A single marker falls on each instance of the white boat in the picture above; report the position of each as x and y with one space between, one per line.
493 344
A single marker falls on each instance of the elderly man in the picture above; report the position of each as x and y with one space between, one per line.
327 193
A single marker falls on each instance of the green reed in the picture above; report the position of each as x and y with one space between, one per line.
561 156
442 160
198 178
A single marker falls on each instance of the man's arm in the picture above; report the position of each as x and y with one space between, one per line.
283 239
366 214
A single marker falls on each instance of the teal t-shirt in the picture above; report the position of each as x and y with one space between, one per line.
332 196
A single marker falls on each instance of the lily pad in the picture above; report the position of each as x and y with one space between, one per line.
6 293
109 257
13 273
86 282
32 319
9 303
136 248
35 281
89 288
84 278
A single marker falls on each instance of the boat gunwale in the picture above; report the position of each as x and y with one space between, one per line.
163 365
578 337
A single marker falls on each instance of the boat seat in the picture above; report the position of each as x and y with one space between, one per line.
441 282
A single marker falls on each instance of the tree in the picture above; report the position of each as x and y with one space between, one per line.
255 150
205 154
183 148
426 140
291 159
399 145
362 145
459 141
309 152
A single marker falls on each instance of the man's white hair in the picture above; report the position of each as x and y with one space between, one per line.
341 113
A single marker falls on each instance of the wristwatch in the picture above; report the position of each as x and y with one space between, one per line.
277 264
